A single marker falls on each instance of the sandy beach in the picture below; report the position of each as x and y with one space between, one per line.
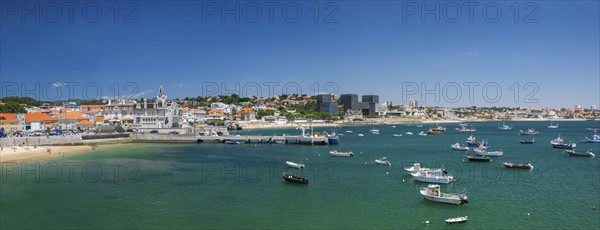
25 153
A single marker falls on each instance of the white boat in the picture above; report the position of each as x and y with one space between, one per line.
335 153
409 133
422 133
456 146
393 126
432 192
383 161
374 130
551 126
454 220
419 126
465 129
349 131
295 165
417 166
435 176
360 135
483 152
397 135
504 127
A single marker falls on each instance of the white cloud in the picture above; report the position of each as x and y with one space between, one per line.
471 54
180 85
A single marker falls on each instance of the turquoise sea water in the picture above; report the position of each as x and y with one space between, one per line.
239 186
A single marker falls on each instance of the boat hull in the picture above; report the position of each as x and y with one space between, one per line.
294 179
479 159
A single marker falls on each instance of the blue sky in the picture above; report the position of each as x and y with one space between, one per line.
551 52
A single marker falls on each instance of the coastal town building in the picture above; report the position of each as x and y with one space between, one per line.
160 113
327 103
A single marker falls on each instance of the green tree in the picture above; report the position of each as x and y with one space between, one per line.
12 107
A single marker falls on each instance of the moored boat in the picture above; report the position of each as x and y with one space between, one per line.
476 158
417 167
433 176
433 132
456 146
438 128
529 131
397 135
409 133
483 152
332 138
294 165
455 220
465 129
518 166
560 144
574 153
293 178
374 130
335 153
532 141
472 142
433 193
383 161
595 139
504 126
552 126
422 133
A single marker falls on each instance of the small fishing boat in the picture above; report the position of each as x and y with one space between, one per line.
238 142
594 139
383 161
476 158
348 131
409 133
465 129
472 142
432 192
456 146
335 153
438 128
393 126
374 130
293 178
417 166
419 126
529 131
504 126
360 135
279 142
397 135
433 132
422 133
532 141
332 138
593 129
294 165
455 220
560 144
573 153
483 152
436 177
552 126
518 166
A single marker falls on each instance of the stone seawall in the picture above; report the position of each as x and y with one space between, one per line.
163 138
43 140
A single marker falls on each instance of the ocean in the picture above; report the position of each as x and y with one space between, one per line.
216 186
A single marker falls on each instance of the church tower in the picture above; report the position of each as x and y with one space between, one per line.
161 98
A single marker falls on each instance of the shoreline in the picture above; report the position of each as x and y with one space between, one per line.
387 121
28 153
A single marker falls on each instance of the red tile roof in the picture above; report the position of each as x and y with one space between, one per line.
8 117
37 117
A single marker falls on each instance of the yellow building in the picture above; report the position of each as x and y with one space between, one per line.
10 122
